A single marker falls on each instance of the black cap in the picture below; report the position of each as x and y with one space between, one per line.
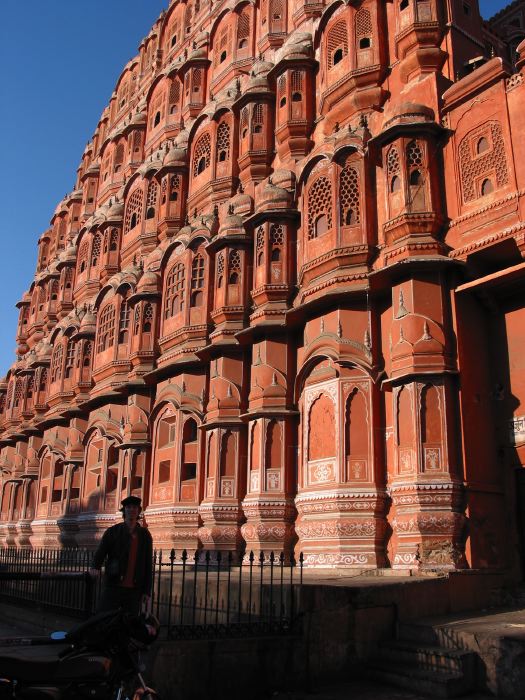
131 501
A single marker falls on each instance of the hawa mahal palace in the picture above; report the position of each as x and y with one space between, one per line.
284 302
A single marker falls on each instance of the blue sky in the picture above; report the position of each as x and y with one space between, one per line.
59 62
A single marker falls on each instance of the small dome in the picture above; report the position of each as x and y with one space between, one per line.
410 112
284 178
138 119
152 163
45 351
231 224
274 197
88 325
242 204
116 210
298 46
175 157
182 139
259 77
149 283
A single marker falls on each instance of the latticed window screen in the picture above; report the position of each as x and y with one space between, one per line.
42 384
174 291
53 290
363 24
260 239
136 319
297 81
197 272
96 249
257 117
220 268
137 141
174 94
475 162
56 363
113 240
19 388
201 154
119 157
393 167
106 329
243 26
123 323
223 142
276 235
196 80
222 46
70 358
414 155
10 394
30 387
151 199
319 205
174 187
147 318
234 265
281 86
187 16
350 209
86 354
337 40
244 120
134 210
82 256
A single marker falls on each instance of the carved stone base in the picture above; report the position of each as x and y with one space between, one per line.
45 534
428 526
91 527
343 528
221 528
174 527
24 534
269 527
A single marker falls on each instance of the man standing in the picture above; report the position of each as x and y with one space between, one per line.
127 551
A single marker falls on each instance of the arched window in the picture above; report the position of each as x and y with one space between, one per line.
197 280
337 43
414 160
56 363
106 329
151 200
223 142
113 240
134 210
123 323
350 206
174 302
259 246
86 353
482 145
486 187
82 257
363 28
281 91
70 359
119 158
244 122
319 207
201 154
243 29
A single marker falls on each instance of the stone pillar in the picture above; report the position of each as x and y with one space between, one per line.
269 506
424 477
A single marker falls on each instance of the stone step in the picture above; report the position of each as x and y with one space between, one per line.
424 634
437 684
433 658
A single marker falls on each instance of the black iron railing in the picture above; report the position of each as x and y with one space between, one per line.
205 594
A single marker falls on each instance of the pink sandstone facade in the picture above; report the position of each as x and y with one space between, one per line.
284 302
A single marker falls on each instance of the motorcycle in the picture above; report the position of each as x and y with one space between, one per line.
97 659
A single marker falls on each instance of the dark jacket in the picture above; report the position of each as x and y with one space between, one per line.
114 551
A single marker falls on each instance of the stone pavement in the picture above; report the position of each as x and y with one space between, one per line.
365 690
